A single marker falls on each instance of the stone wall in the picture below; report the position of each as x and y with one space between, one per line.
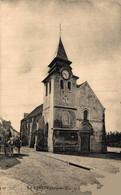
24 133
64 118
64 97
40 135
48 115
96 138
65 141
88 101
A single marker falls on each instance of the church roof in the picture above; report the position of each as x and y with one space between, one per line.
37 111
80 84
61 53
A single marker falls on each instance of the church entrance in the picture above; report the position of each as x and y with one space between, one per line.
85 142
86 131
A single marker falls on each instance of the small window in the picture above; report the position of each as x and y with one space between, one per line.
85 115
61 84
46 89
69 85
49 87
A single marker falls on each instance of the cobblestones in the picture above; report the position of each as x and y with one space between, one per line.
35 172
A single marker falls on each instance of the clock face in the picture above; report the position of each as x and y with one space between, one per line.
65 74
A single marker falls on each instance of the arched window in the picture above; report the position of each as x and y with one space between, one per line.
49 87
61 84
85 115
65 119
69 85
46 89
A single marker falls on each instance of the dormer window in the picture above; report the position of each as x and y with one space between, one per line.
61 84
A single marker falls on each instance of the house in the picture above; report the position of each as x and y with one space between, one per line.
71 118
6 129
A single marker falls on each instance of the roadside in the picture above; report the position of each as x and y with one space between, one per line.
34 172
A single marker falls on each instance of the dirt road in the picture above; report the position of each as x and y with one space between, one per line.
35 172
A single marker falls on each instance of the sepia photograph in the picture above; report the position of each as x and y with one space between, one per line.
60 97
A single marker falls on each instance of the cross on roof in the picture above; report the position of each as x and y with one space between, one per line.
60 29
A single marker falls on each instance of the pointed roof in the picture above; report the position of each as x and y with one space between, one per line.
61 53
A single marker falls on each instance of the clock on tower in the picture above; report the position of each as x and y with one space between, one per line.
65 74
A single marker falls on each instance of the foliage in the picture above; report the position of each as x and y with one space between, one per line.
114 139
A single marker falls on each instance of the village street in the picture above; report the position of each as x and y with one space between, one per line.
34 172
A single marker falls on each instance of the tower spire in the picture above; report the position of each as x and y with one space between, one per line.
61 53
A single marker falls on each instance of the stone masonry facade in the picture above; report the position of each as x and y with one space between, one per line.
71 118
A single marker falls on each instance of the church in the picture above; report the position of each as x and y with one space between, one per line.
71 118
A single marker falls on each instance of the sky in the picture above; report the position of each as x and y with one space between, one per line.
29 36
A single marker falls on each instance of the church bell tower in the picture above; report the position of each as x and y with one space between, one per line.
59 107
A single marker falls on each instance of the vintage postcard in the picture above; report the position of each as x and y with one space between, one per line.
60 97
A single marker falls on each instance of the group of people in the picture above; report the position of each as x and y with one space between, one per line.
11 144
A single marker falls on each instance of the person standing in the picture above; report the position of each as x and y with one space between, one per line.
18 144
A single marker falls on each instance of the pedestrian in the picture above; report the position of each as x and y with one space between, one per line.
18 144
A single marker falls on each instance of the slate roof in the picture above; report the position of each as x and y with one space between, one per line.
37 111
61 53
15 130
80 84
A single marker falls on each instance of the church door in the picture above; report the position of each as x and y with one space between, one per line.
85 142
